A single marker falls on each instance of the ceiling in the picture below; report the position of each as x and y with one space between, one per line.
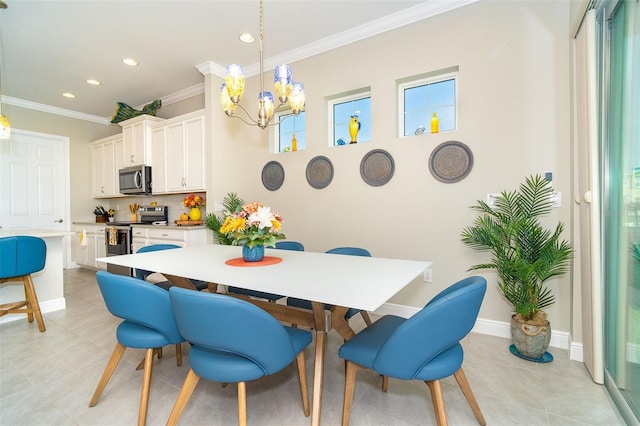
51 47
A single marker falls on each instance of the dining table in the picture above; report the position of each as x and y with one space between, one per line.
338 281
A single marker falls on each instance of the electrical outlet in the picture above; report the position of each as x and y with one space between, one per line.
556 199
491 199
428 275
218 206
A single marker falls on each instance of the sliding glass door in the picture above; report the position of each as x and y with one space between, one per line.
621 202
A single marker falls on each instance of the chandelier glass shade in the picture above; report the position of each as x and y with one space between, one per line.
5 127
287 91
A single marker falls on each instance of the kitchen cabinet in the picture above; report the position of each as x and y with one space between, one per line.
146 236
104 168
93 247
135 148
178 155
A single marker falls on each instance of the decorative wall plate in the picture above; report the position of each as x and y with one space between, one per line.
319 172
451 162
377 167
272 175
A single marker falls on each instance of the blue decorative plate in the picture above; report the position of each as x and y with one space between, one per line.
377 167
451 162
272 175
319 172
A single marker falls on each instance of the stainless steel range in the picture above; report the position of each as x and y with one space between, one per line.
118 236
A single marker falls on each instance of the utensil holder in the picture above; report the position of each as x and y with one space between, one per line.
134 217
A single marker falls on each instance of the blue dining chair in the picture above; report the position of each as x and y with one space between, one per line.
424 347
271 297
245 344
350 251
148 324
143 274
21 256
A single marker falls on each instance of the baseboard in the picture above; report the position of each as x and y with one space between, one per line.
559 339
45 307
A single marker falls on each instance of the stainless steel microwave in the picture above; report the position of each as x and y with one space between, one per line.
135 180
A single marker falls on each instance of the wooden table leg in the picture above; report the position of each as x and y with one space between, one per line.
318 368
340 324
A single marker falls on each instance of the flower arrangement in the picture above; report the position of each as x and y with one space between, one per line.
251 225
193 201
111 213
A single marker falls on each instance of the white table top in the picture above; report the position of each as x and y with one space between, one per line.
352 281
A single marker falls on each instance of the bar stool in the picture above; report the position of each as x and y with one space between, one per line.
20 257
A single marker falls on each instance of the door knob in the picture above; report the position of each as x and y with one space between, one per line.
587 196
58 221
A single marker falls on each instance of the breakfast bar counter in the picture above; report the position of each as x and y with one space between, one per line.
48 283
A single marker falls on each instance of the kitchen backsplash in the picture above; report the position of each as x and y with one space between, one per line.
174 202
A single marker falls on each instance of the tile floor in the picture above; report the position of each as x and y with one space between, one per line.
48 379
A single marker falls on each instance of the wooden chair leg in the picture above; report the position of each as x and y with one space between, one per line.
33 307
461 378
385 383
302 378
183 397
116 356
349 387
146 386
242 404
366 317
438 402
179 354
140 365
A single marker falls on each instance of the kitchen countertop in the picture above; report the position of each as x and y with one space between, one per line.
34 232
169 226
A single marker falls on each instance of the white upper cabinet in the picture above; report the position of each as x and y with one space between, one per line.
104 173
178 155
136 140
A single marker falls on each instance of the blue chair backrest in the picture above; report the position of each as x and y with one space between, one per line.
351 251
140 302
442 323
224 323
289 245
21 255
143 274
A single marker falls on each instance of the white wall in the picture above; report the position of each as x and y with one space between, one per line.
514 114
513 111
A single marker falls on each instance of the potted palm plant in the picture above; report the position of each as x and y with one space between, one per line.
231 203
524 255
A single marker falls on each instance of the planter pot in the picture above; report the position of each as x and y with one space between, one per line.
530 340
255 254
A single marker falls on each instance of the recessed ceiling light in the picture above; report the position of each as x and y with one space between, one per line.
93 82
130 62
247 38
68 95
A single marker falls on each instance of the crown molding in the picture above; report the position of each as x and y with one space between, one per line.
54 110
405 17
390 22
183 94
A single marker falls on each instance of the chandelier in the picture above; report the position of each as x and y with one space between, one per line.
287 90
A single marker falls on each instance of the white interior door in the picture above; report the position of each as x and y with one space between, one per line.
34 186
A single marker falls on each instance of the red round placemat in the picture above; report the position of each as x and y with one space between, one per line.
267 260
